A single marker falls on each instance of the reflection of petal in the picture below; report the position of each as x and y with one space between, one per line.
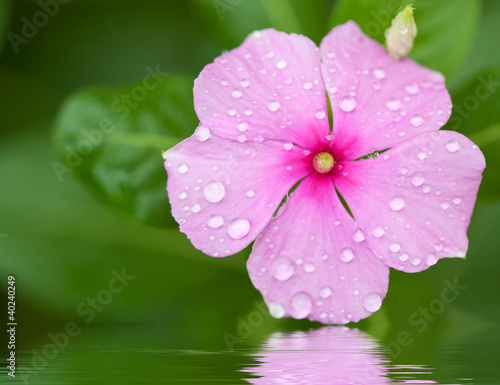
330 355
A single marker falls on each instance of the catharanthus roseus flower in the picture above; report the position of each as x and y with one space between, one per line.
264 128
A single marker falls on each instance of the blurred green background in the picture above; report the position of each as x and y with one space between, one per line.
73 217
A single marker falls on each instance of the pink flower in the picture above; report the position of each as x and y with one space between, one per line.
264 128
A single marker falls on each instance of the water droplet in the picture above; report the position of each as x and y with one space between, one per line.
415 261
273 105
378 231
282 269
248 112
202 133
195 208
372 302
394 247
404 170
417 179
309 267
346 254
347 103
307 85
426 189
320 114
250 193
243 126
300 305
236 94
325 292
358 236
215 221
412 88
276 309
396 203
244 83
430 259
329 137
422 155
403 257
241 138
379 73
445 205
403 29
288 145
452 146
281 64
393 104
238 228
457 200
214 192
258 139
182 169
416 120
183 195
231 111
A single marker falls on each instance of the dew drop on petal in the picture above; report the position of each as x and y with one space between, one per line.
396 203
347 103
403 257
415 261
416 120
417 179
452 146
394 247
195 208
250 193
238 228
288 145
182 169
320 114
276 309
325 292
236 94
346 254
307 85
445 205
358 236
182 195
282 269
273 105
378 231
309 267
243 126
412 88
379 73
202 133
214 192
430 259
215 221
281 64
300 305
393 104
372 302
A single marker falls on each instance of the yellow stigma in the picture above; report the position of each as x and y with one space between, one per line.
323 162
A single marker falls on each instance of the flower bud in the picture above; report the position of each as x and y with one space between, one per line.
399 37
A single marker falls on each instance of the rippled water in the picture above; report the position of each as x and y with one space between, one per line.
329 355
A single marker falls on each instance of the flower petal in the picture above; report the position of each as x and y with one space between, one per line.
377 102
307 263
414 202
224 193
268 88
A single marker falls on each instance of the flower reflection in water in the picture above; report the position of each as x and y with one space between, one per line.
330 355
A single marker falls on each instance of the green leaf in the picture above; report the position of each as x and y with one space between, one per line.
113 139
445 28
5 7
476 114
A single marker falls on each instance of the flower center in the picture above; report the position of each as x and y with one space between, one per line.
323 162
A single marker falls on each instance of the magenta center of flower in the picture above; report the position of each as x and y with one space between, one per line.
323 162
